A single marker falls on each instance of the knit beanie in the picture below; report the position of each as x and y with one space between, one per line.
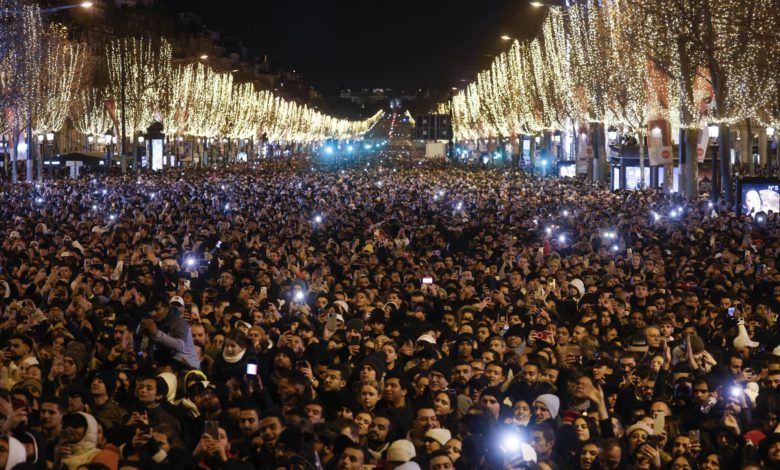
552 403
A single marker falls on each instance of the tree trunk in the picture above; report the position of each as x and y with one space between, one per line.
15 156
30 151
691 182
725 163
749 146
533 154
641 139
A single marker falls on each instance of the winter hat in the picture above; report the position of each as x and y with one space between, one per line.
440 435
552 403
401 450
579 285
443 367
355 324
376 362
639 426
426 338
408 466
78 352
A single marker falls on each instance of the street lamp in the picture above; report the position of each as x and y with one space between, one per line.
770 131
714 131
505 37
204 57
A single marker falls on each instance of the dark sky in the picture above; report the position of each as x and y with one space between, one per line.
403 44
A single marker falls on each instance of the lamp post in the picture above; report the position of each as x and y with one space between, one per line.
714 131
109 136
137 153
49 150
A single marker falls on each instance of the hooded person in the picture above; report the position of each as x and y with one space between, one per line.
80 435
15 452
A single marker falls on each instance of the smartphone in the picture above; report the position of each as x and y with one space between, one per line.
212 428
427 280
629 251
251 369
731 311
264 291
694 436
301 364
552 285
659 420
331 324
760 269
353 340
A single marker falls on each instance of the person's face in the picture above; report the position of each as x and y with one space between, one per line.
462 373
333 381
530 374
442 404
610 459
541 445
636 439
378 430
72 433
453 448
541 412
232 348
393 392
681 445
490 405
774 452
588 455
579 333
314 413
19 350
701 392
583 432
735 365
425 420
437 381
270 428
199 335
522 411
680 463
97 387
248 422
51 417
562 335
146 391
3 452
653 336
495 375
368 396
363 421
351 459
711 462
627 364
441 462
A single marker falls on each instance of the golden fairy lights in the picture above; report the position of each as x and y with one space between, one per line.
624 62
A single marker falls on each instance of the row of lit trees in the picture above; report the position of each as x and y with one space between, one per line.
45 78
625 63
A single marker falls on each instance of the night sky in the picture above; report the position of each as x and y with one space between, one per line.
404 44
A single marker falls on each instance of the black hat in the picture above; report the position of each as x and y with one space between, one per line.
443 367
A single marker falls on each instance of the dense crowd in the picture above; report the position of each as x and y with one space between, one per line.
396 313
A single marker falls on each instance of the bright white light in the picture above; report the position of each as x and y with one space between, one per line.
544 162
86 5
548 230
350 148
709 204
368 146
615 248
151 195
510 443
39 200
329 150
112 217
94 207
22 147
565 213
105 191
379 183
673 214
561 238
770 131
714 131
460 206
318 219
656 132
227 207
656 217
222 187
190 261
298 296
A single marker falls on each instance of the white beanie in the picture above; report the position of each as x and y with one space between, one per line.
552 403
579 285
401 450
442 436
